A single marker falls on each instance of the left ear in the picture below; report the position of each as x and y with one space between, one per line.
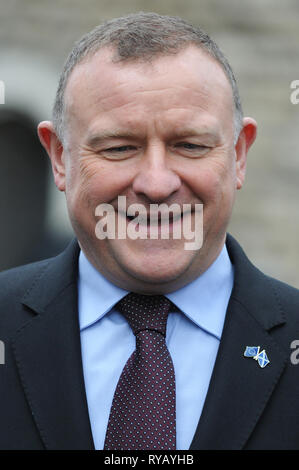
246 138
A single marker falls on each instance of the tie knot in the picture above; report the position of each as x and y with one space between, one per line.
145 312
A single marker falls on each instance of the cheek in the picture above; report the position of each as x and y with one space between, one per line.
207 184
90 183
214 180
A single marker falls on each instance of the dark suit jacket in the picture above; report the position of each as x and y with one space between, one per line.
43 403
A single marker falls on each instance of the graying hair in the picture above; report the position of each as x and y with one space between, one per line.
141 37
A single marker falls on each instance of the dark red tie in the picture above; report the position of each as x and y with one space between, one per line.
142 415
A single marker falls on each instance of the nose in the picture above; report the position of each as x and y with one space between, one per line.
155 179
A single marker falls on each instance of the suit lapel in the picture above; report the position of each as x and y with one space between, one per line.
48 356
240 389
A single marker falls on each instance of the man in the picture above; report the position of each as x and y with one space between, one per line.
148 109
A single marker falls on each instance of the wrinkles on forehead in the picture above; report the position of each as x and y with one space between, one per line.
99 86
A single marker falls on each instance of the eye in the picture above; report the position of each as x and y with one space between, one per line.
120 152
191 148
120 149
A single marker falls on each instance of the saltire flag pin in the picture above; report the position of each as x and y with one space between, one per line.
260 357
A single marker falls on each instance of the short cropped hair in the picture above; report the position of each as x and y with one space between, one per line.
142 37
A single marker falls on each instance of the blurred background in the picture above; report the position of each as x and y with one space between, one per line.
260 39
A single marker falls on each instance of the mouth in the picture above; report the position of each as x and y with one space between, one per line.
155 219
155 225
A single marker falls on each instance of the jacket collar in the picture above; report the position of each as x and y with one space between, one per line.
48 356
254 290
240 389
54 276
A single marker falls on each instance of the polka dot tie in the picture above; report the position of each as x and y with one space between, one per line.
142 415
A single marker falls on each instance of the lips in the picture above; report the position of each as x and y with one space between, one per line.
155 218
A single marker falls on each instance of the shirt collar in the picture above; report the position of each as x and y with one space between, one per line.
204 301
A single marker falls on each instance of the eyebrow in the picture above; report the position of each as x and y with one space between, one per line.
211 135
95 139
190 132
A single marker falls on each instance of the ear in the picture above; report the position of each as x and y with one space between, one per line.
54 148
246 138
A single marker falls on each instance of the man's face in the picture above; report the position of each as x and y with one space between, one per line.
159 132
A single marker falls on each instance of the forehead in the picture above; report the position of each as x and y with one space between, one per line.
190 79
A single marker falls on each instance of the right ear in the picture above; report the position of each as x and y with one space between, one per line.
54 148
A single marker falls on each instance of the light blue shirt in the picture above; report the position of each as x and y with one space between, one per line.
192 337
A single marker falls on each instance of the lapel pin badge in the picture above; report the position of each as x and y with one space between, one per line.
260 357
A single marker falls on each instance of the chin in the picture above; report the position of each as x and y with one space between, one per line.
152 264
153 272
